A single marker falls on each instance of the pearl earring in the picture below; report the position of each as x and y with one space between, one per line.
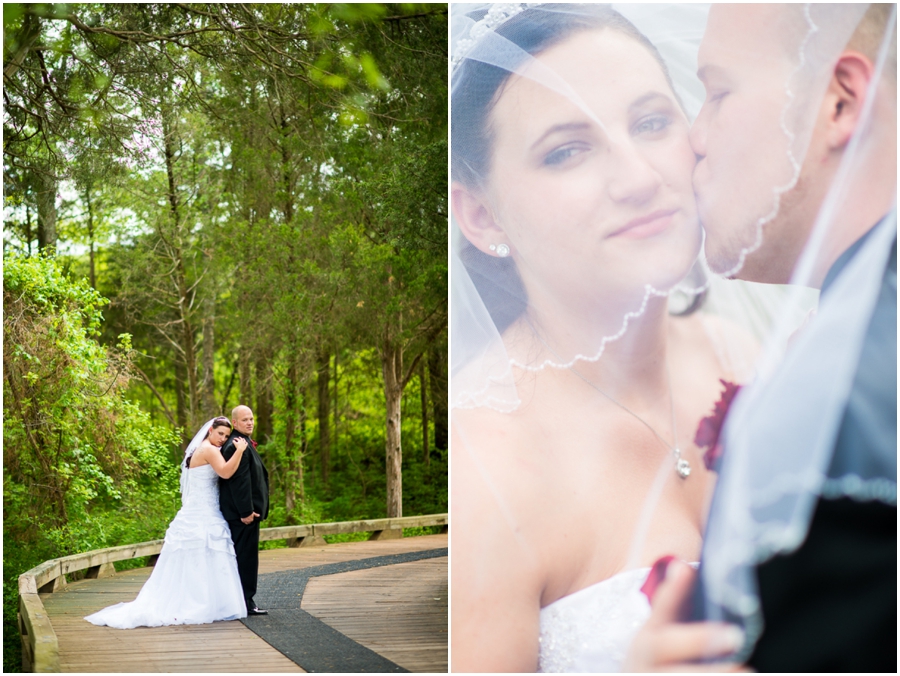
501 249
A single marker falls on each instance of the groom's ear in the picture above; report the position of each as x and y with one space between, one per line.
846 96
475 217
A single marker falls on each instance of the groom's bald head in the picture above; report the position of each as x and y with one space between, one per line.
737 136
242 419
767 141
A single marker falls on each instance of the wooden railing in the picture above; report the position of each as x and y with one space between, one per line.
40 648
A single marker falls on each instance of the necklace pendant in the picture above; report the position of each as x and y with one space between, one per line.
683 467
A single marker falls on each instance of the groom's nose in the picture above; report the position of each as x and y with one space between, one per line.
698 132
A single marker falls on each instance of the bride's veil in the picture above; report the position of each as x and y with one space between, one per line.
493 45
189 451
489 44
570 296
767 494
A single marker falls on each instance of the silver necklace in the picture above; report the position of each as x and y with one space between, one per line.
682 466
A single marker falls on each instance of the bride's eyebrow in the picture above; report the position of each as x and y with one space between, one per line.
648 98
556 128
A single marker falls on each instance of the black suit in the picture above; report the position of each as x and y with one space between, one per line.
246 492
832 604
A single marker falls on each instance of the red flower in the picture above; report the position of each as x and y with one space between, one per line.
710 427
254 444
656 576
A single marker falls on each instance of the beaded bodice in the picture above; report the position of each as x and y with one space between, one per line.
591 630
202 487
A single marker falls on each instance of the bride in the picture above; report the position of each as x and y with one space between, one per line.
577 388
195 580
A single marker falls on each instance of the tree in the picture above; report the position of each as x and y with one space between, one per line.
70 436
258 190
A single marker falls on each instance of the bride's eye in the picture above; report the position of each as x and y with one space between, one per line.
559 155
651 124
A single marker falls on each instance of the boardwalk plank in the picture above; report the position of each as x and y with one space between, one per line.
398 611
230 647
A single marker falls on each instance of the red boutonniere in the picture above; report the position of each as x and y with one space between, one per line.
710 427
254 444
656 576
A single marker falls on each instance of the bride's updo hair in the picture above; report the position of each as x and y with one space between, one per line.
221 421
475 87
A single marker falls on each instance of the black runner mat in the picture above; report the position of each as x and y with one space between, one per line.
305 639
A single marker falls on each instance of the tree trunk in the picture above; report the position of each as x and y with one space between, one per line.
286 166
174 244
224 407
28 234
304 445
263 411
208 384
392 370
46 207
335 436
293 411
90 215
423 392
304 440
246 384
30 31
290 411
437 379
323 364
190 367
181 413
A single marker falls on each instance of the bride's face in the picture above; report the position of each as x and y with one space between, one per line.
218 435
594 196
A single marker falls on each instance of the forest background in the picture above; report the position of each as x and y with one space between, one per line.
213 204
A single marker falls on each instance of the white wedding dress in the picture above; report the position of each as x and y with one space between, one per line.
195 580
592 629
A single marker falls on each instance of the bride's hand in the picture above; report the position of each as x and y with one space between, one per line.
240 444
666 644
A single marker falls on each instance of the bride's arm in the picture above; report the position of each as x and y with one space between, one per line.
226 469
496 594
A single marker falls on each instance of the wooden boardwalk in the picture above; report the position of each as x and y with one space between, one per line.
398 611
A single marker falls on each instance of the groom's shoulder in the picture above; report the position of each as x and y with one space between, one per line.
229 444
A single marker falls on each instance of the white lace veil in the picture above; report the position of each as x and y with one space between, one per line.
767 494
189 451
548 174
490 44
574 221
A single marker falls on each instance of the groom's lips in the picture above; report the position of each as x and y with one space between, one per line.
646 226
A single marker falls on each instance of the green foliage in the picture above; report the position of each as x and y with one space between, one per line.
264 209
12 15
356 488
82 463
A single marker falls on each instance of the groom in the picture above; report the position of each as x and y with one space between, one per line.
829 604
244 501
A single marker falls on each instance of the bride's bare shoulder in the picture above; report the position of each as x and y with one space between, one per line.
499 438
499 481
490 492
199 456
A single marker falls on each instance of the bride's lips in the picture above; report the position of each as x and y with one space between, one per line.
646 226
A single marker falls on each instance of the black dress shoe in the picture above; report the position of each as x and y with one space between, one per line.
256 611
